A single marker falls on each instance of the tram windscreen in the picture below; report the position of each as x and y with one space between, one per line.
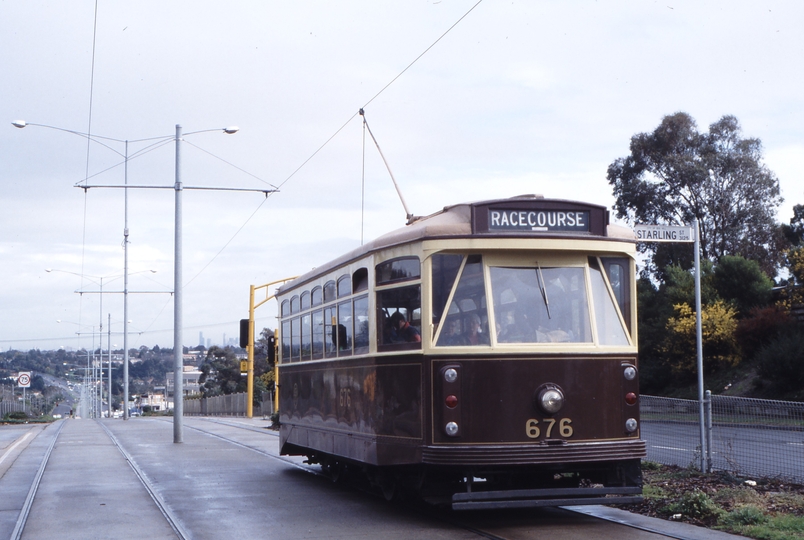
540 305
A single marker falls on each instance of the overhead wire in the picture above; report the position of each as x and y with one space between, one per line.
277 187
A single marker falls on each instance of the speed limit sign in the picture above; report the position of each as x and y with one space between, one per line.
24 379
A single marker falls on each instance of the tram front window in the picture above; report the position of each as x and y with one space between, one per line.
540 305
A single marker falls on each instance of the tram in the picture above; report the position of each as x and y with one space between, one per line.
484 356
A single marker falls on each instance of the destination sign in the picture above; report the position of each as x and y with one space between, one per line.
510 219
663 233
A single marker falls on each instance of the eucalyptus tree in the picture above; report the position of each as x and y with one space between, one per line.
676 173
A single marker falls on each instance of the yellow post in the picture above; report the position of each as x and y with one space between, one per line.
250 347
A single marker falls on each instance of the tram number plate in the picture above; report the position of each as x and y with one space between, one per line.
549 426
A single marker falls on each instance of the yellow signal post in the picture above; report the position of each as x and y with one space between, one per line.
250 344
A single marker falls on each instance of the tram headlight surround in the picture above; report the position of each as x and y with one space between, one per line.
550 398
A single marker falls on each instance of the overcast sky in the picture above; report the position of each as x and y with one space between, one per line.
520 97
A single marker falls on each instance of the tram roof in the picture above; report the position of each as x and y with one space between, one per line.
453 221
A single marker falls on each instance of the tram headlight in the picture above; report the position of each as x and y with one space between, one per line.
631 425
451 428
629 373
451 375
551 399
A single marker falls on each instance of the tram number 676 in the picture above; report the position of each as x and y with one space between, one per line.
533 431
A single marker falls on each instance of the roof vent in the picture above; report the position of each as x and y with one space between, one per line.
529 196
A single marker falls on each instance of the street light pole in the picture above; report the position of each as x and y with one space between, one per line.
178 351
178 359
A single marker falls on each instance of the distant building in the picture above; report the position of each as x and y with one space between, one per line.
190 384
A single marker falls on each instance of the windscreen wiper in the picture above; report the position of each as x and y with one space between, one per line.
543 288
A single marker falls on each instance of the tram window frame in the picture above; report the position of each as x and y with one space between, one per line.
405 299
386 270
360 280
330 291
345 327
306 336
285 311
330 322
344 286
295 339
294 304
286 344
317 296
360 335
621 289
318 346
305 301
603 303
458 306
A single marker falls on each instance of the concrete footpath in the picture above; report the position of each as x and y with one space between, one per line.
228 482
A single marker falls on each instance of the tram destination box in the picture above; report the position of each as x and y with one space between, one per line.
545 216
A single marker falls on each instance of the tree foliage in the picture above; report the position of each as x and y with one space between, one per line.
742 282
720 348
676 173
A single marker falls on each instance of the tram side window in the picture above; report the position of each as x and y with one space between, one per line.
343 336
361 320
286 341
330 331
318 334
399 318
403 269
344 286
306 337
317 296
466 322
329 291
295 340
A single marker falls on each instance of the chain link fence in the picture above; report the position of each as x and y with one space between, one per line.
743 436
227 405
7 407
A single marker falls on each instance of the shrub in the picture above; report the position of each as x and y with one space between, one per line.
696 504
743 515
761 327
781 362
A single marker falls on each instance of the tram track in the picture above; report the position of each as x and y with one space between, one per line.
22 518
163 507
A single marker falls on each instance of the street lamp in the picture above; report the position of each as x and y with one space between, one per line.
178 187
98 280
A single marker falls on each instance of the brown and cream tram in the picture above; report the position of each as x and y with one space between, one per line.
485 355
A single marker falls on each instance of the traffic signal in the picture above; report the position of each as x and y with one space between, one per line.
271 350
244 333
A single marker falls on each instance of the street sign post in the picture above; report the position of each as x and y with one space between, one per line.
24 379
686 233
664 233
